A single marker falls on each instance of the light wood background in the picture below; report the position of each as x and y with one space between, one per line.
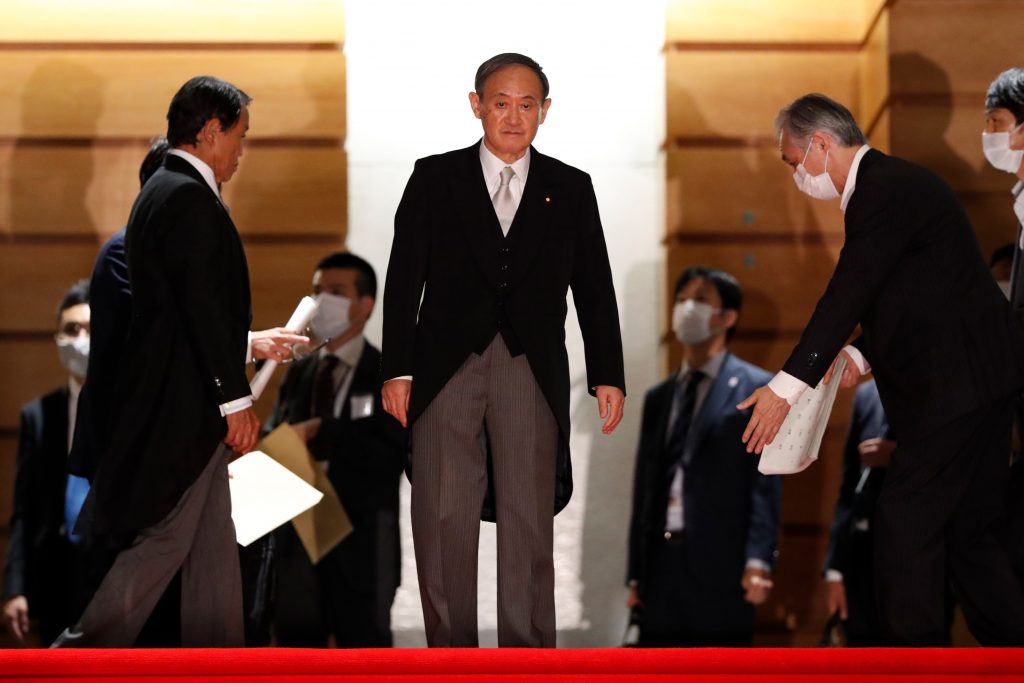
85 86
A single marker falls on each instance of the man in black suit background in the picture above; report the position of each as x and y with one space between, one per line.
181 400
333 399
705 521
43 577
491 238
945 349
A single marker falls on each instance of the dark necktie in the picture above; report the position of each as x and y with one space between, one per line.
323 387
687 393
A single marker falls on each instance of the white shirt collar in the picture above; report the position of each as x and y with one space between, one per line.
493 166
350 352
201 166
711 368
1018 189
851 179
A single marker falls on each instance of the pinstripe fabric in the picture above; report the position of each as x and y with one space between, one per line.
493 398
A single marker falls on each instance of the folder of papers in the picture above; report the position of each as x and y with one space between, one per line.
796 445
265 495
325 525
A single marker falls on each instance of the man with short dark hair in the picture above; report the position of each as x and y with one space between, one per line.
946 352
181 400
332 398
488 241
1002 140
705 521
43 577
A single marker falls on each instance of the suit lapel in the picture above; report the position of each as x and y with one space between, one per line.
720 396
476 212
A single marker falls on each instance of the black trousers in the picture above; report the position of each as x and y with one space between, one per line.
316 602
685 609
935 520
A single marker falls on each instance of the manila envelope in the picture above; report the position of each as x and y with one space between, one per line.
324 525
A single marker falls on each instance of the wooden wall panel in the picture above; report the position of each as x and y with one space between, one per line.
8 458
736 94
874 81
33 277
781 282
780 21
50 189
298 93
742 191
187 21
35 370
961 42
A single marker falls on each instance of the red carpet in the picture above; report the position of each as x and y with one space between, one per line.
427 666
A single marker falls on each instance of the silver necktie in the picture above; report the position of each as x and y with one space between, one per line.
504 205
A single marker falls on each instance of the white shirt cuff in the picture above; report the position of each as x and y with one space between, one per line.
248 348
833 575
236 406
408 377
755 563
858 359
785 385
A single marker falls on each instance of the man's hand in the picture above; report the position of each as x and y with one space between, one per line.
610 402
634 598
243 430
16 617
307 429
275 344
769 412
851 373
876 452
836 598
395 396
757 584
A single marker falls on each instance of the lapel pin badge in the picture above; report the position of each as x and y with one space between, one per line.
733 381
547 200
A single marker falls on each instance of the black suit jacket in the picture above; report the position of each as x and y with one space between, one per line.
39 555
940 336
367 456
478 282
731 511
184 356
110 300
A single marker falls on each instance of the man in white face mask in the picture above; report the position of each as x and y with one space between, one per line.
947 354
705 521
332 397
1003 144
44 576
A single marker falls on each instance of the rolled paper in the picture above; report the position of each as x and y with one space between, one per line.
298 321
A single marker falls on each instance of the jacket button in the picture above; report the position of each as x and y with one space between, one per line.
812 359
504 267
504 285
506 250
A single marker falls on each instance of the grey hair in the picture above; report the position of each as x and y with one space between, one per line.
498 62
816 113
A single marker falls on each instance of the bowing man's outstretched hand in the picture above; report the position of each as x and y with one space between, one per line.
610 402
770 411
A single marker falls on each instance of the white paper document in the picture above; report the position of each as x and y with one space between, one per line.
265 495
796 445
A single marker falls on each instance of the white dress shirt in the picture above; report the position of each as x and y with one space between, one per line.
1018 206
785 385
74 389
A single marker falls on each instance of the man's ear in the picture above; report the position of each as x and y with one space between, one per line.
730 318
544 109
209 130
366 303
474 102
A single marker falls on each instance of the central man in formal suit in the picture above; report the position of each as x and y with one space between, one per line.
332 398
488 242
705 521
181 401
947 353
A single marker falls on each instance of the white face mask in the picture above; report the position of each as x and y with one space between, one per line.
997 150
691 322
331 319
817 186
74 354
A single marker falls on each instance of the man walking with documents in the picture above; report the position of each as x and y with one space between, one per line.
702 534
945 350
181 401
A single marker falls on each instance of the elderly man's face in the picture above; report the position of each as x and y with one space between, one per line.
511 109
811 153
226 147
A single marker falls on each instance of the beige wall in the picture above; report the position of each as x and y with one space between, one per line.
84 86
